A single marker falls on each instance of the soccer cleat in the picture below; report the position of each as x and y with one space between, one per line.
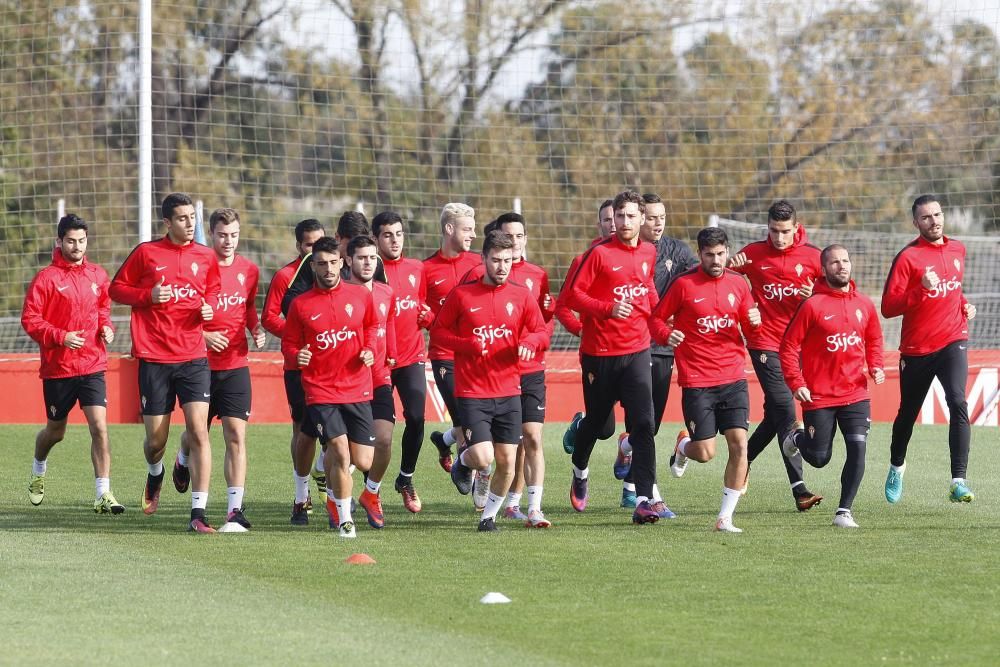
347 530
444 451
481 490
300 516
569 436
107 504
623 461
844 520
578 493
662 510
806 499
236 522
644 513
961 493
461 476
36 489
789 444
514 512
372 505
537 520
181 476
319 476
724 524
679 462
331 511
411 501
894 484
200 525
151 493
628 499
308 504
488 526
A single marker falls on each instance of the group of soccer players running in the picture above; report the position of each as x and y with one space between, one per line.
350 311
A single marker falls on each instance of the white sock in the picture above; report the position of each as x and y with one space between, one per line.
449 438
900 469
301 488
461 457
844 510
799 483
235 494
729 499
641 499
182 457
581 474
513 499
405 474
628 486
373 486
493 503
39 467
682 446
955 480
625 446
657 498
101 486
343 509
155 469
534 498
199 500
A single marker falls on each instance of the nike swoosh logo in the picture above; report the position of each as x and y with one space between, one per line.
371 439
961 347
62 288
699 300
765 268
205 395
828 317
472 310
248 414
616 268
438 282
541 407
315 317
160 268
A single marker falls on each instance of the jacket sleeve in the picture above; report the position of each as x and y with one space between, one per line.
534 332
790 351
300 284
104 303
252 320
547 313
579 297
33 319
271 316
370 322
125 287
897 298
664 311
445 328
874 341
293 339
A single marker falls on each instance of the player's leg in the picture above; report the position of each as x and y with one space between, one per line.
601 383
93 402
477 414
698 442
193 382
383 420
636 394
361 438
411 384
855 422
337 462
503 416
530 464
732 418
444 378
60 396
512 503
232 399
157 397
302 461
953 373
298 446
915 377
815 442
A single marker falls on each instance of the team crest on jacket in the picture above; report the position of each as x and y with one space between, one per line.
857 314
958 264
798 270
732 299
413 280
349 309
93 288
645 268
194 268
510 309
529 283
241 278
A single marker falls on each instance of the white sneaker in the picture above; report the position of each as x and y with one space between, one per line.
844 520
537 520
679 462
481 489
347 530
788 446
725 525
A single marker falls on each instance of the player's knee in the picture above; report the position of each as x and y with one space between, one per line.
54 431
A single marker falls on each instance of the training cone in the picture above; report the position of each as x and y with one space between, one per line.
360 559
494 598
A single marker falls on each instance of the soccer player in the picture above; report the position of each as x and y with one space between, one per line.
307 232
614 293
830 340
442 272
330 330
673 257
169 284
491 325
709 305
362 256
235 312
782 270
67 311
410 314
925 287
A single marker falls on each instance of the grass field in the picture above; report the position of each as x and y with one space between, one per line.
919 583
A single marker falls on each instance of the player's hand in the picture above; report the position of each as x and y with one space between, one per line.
367 357
970 311
930 279
738 260
621 310
217 341
676 338
525 353
803 394
878 375
207 312
107 334
424 316
807 289
547 302
754 316
161 292
259 337
304 356
391 363
74 340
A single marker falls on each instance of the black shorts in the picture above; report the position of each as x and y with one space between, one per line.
327 421
533 398
230 394
444 378
160 385
711 410
61 394
491 419
383 407
296 396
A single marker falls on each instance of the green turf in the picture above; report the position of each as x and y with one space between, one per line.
917 584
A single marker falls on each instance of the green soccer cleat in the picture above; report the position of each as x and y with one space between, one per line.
36 489
961 493
569 436
107 504
894 484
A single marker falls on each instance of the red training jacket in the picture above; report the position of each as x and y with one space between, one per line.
563 312
384 301
235 313
406 277
441 275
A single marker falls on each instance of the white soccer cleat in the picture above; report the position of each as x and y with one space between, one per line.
347 530
537 520
679 462
844 520
725 525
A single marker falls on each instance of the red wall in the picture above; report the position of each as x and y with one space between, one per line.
22 391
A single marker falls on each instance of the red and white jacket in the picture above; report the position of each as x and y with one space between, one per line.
832 337
441 275
235 313
68 297
384 302
168 332
406 277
